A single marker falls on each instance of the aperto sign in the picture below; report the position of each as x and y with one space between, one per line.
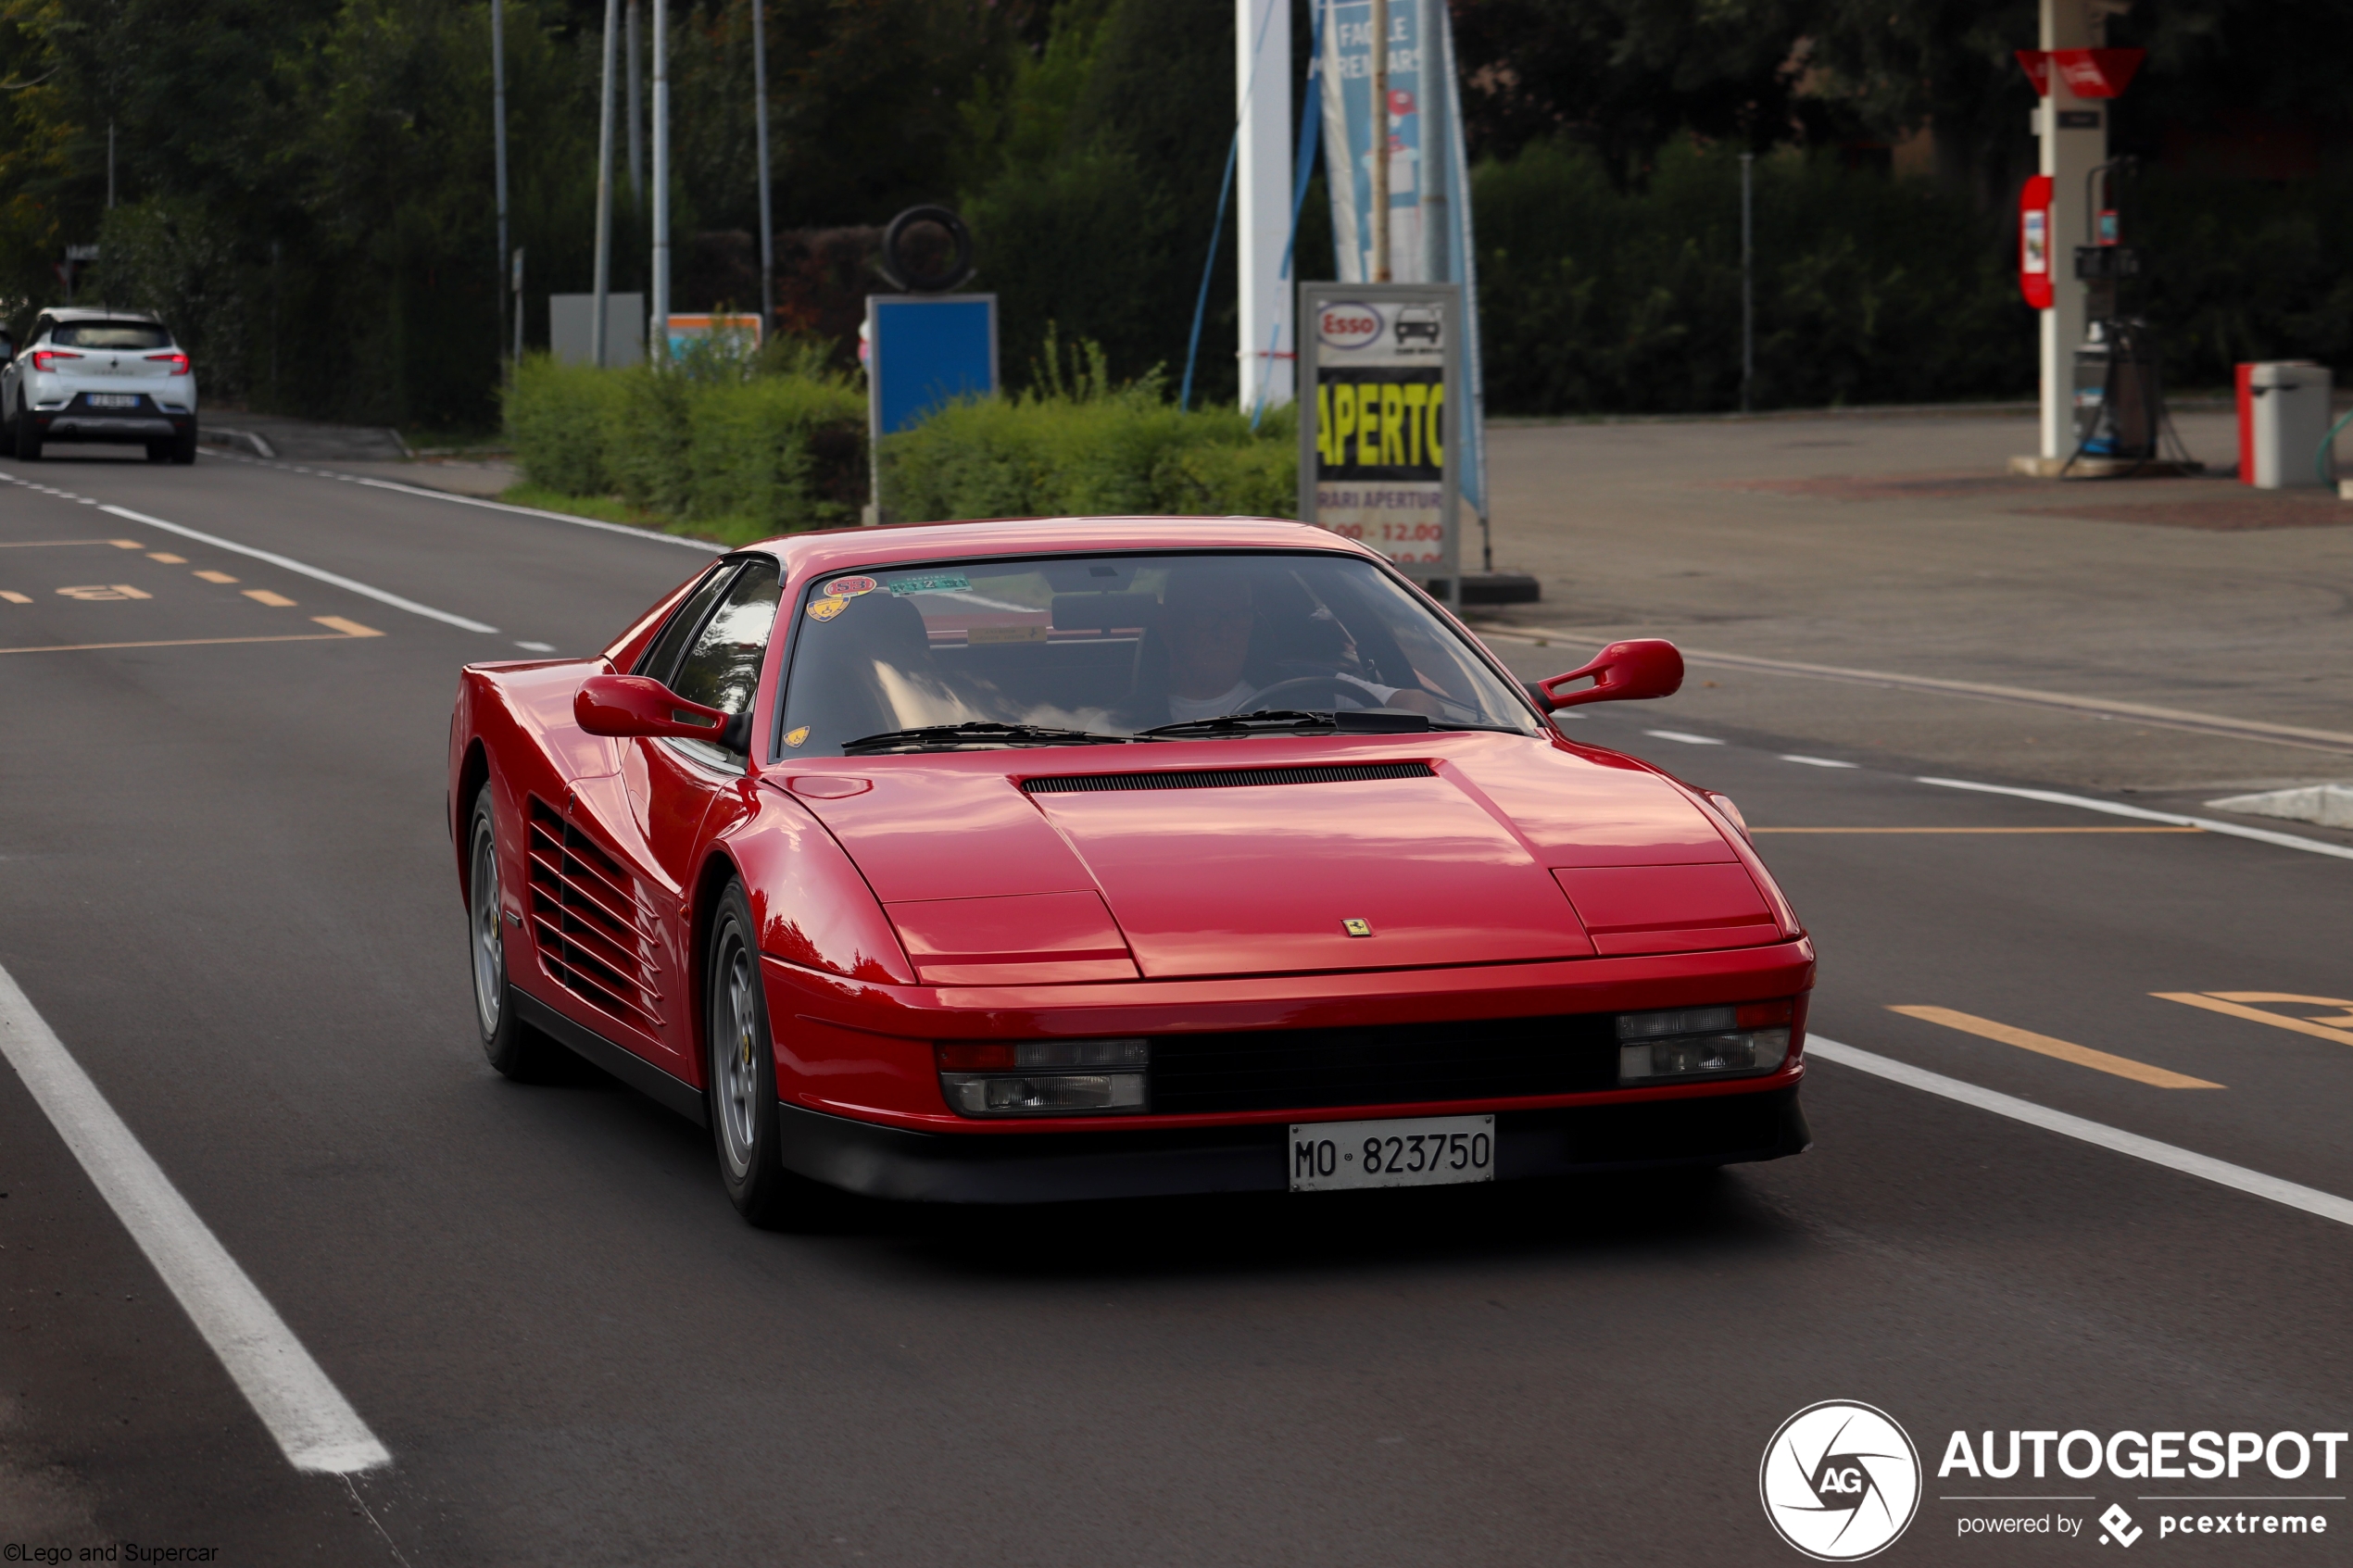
1379 370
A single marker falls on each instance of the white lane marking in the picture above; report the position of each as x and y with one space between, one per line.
1685 736
314 1424
290 564
1816 762
537 647
704 546
2116 809
2328 1206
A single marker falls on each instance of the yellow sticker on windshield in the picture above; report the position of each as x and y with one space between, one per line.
827 607
795 737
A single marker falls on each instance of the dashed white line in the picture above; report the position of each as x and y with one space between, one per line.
1815 761
314 1424
2328 1206
2118 809
1685 736
290 564
537 647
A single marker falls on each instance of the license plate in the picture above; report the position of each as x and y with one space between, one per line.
113 400
1426 1151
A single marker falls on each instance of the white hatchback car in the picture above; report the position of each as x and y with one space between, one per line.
99 375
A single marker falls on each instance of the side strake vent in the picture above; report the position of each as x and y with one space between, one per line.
1226 778
592 935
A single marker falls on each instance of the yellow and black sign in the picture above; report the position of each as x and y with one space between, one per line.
1380 424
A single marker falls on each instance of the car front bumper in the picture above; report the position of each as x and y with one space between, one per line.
892 1163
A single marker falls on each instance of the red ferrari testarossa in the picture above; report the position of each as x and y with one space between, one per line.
1012 861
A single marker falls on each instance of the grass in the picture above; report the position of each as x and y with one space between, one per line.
730 532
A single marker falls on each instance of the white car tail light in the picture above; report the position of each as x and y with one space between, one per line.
179 362
47 359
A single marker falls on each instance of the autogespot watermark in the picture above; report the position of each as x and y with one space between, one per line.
1840 1481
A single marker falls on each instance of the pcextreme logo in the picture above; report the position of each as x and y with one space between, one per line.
1840 1481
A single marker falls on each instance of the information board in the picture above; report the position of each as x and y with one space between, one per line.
1381 368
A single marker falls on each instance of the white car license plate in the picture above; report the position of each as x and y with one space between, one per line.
1424 1151
113 400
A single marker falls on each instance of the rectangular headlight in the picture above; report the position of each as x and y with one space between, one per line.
1718 1042
1043 1077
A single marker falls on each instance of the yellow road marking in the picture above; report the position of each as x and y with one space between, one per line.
167 558
14 598
216 577
264 596
2065 1050
100 591
1976 830
126 544
348 628
337 637
2228 1003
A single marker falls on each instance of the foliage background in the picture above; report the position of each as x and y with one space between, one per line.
304 186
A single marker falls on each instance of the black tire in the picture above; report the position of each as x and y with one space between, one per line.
28 436
8 437
181 449
514 1047
740 1063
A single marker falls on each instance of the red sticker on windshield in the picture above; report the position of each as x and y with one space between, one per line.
850 587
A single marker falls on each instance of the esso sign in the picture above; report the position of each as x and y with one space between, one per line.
2034 242
1348 326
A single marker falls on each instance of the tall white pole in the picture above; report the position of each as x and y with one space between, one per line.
597 355
2074 136
1380 142
657 327
498 137
760 127
1261 170
1438 158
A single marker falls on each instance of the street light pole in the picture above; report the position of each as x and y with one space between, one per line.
604 189
636 110
499 138
659 324
1380 141
759 126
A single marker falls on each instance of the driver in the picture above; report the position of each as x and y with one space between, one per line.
1208 614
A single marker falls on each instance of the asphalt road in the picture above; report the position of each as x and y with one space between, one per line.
226 885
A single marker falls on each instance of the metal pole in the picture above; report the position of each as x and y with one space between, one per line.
1436 155
1748 271
499 128
636 111
759 126
517 305
603 289
110 165
658 326
1380 141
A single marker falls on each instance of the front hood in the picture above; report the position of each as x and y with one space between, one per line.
1446 856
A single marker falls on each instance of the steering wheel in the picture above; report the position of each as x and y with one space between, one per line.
1288 694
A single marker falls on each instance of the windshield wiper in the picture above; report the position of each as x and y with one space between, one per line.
1291 721
976 732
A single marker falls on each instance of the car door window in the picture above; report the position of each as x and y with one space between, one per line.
721 669
660 659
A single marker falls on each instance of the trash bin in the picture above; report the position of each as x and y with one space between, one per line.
2283 415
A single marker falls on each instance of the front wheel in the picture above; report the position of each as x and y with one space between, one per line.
181 449
514 1047
741 1077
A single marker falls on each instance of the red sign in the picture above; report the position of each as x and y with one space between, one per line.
2089 73
2034 242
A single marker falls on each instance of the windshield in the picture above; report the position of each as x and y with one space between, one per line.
1115 646
110 334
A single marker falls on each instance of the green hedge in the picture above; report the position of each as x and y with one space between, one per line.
1086 451
735 450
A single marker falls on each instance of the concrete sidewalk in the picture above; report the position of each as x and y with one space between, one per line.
1902 546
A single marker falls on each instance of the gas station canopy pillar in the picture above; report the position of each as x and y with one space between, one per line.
1262 178
2072 133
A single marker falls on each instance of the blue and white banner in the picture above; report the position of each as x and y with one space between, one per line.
1429 178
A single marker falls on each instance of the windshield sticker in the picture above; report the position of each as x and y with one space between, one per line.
796 735
849 587
933 582
826 608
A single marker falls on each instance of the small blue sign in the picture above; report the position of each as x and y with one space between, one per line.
925 350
